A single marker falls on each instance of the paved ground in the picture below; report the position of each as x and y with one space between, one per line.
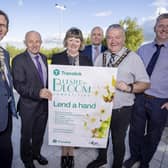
83 155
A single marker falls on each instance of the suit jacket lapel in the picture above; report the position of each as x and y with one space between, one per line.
6 55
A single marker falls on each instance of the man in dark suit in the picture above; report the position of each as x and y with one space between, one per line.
7 104
92 51
29 71
96 47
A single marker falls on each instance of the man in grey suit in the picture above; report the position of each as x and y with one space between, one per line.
7 103
29 70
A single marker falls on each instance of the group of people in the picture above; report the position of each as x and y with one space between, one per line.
140 100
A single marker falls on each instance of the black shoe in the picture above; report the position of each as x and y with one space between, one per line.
129 163
64 161
29 165
67 162
144 165
96 163
41 159
70 162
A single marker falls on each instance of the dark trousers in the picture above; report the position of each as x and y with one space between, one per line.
119 125
102 154
147 124
6 150
32 133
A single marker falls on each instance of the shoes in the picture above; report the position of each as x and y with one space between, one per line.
130 163
97 163
67 162
41 159
29 165
144 165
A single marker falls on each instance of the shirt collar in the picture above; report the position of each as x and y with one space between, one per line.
99 46
32 55
165 44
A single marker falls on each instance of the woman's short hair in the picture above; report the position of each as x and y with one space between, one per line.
76 33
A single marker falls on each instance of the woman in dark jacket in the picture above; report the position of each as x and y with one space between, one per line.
74 43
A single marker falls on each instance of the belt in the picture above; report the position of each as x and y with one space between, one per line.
149 96
123 108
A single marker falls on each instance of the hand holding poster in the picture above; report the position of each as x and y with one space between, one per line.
80 111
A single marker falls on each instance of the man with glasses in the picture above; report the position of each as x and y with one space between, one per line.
7 104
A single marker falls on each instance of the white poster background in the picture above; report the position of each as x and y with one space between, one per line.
80 110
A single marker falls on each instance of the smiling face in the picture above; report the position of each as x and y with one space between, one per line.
73 45
161 30
33 42
73 41
115 39
97 36
3 27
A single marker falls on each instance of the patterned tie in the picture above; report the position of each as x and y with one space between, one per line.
2 71
96 53
39 68
111 60
153 60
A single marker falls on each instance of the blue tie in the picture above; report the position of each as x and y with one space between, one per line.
153 60
39 68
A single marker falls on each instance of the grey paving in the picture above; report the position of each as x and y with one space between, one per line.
83 155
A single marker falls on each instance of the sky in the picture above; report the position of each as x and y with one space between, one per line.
53 22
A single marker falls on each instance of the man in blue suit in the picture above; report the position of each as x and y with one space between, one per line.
96 47
7 104
92 51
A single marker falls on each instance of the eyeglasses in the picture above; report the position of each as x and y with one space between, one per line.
162 26
3 26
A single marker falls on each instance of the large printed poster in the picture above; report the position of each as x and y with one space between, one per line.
80 110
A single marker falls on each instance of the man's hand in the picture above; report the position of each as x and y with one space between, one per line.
165 105
122 86
45 94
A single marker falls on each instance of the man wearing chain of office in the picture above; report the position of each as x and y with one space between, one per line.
131 78
7 104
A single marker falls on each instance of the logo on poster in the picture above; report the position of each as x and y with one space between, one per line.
56 72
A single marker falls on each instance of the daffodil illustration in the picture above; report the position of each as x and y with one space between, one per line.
97 124
106 92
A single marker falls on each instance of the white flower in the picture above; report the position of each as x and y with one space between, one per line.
92 121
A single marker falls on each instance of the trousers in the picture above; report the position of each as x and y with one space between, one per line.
119 125
146 127
6 150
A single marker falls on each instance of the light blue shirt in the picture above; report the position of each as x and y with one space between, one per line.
159 77
94 51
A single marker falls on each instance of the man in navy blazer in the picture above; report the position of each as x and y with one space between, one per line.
92 51
7 103
29 71
96 47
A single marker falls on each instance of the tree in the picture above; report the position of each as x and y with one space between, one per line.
13 51
134 34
